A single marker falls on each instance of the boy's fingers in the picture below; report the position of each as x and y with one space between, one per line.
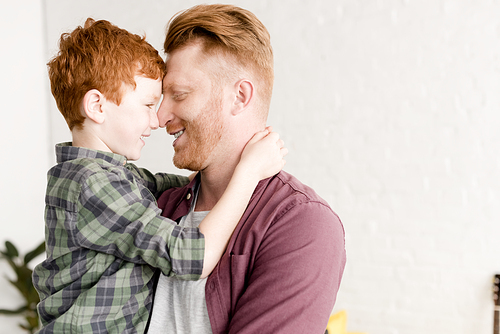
258 136
274 136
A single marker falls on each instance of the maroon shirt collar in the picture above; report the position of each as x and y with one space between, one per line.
176 202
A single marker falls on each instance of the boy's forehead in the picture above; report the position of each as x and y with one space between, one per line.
148 87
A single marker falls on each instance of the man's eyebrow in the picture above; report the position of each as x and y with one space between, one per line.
167 87
176 85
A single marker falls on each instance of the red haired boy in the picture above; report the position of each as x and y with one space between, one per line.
104 232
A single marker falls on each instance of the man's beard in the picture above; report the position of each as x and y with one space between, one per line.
204 134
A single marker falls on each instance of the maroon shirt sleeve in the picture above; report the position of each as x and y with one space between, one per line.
295 276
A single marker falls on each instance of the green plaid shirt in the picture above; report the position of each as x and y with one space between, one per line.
104 237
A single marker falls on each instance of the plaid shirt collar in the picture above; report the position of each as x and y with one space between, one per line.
66 152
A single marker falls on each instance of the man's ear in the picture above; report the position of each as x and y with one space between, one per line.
92 105
244 95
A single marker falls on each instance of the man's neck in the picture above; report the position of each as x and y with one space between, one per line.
216 177
213 183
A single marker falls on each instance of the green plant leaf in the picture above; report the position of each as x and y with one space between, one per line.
12 264
27 328
11 250
24 284
19 286
34 253
14 312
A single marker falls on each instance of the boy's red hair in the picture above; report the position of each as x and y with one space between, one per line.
99 56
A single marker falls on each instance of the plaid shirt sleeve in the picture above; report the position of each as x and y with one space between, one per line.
159 182
119 217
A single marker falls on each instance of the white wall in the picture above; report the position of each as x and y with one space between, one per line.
24 134
390 109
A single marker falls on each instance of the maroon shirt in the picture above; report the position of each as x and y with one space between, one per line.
283 265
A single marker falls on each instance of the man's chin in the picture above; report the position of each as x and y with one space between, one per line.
189 165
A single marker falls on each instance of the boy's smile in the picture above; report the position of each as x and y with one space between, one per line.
127 125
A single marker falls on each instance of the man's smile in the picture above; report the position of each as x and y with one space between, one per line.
178 134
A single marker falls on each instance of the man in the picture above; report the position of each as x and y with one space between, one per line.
284 263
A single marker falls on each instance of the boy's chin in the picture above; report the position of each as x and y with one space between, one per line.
132 157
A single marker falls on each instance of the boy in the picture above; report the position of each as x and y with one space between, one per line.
104 232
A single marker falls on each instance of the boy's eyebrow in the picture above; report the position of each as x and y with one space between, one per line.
153 96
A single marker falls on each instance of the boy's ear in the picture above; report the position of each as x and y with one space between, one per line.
244 95
92 105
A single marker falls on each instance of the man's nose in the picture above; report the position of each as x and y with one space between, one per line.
164 113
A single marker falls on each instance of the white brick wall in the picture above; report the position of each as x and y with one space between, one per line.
391 111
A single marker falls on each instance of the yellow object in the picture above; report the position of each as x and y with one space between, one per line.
337 324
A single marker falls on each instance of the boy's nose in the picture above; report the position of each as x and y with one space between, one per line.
153 120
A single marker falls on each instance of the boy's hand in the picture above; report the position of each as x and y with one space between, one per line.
263 155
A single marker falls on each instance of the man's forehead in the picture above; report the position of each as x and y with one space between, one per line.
191 78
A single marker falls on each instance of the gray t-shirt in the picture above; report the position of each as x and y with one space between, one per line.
179 306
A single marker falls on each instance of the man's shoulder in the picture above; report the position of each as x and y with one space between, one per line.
285 196
288 186
283 185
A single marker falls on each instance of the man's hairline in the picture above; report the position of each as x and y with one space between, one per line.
220 55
